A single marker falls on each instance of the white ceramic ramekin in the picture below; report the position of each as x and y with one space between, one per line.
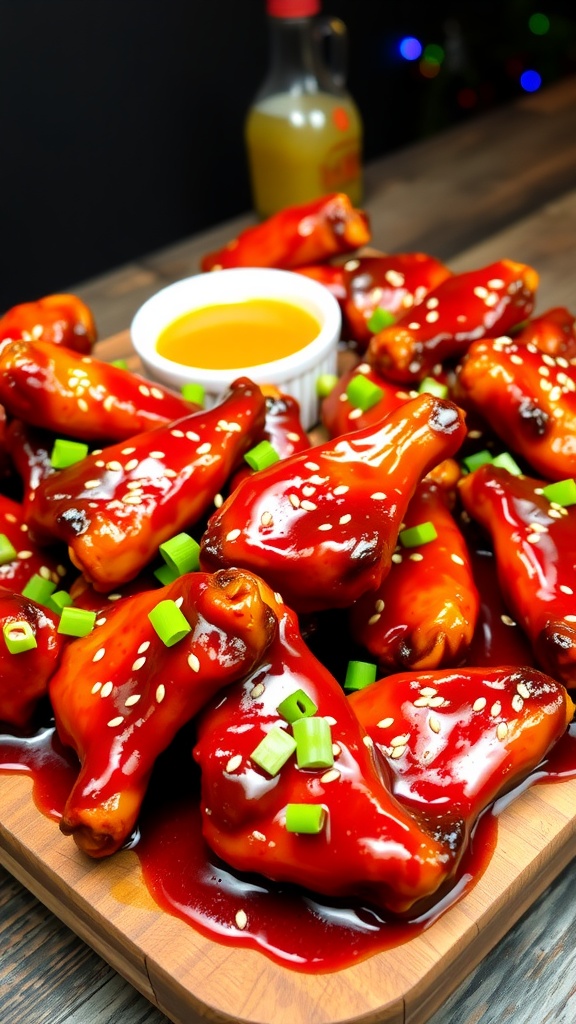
295 374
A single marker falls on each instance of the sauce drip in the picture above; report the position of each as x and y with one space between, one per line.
235 335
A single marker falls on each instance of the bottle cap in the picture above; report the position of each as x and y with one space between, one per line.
292 8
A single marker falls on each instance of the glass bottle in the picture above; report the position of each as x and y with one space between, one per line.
303 131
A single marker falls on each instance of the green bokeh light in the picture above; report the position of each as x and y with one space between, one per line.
539 24
433 54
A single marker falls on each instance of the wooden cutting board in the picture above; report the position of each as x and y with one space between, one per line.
193 979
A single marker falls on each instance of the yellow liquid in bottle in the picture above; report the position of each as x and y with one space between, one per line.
235 335
303 147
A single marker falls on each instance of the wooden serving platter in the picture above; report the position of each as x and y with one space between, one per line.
193 979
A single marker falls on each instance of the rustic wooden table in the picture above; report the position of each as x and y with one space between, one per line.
503 185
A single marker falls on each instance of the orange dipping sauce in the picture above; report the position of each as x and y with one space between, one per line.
237 334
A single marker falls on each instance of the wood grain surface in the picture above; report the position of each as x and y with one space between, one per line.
501 185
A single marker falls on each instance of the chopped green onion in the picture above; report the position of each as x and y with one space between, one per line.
194 393
477 459
380 319
274 750
121 364
325 384
7 550
359 674
169 622
166 574
19 636
39 589
76 621
430 386
363 393
505 461
416 535
562 492
313 743
67 453
305 818
59 600
296 705
263 455
181 553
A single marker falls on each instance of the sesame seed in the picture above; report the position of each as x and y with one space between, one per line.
308 506
457 559
312 466
91 484
517 702
385 723
138 664
428 691
345 519
570 618
131 464
115 721
325 526
413 326
395 278
160 692
132 700
336 749
355 414
432 316
256 834
308 491
397 752
257 690
192 436
99 654
114 597
496 709
157 455
193 663
480 292
434 723
421 702
107 689
203 449
397 558
83 405
241 919
233 534
177 433
379 605
436 702
101 620
96 687
401 740
292 436
179 602
507 620
127 451
378 496
502 731
218 500
114 466
341 489
233 763
374 619
330 776
294 500
266 519
144 390
479 704
132 499
156 393
416 556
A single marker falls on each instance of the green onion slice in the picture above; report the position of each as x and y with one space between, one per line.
7 550
274 750
169 622
313 742
263 455
506 461
39 589
363 393
413 536
562 492
431 386
67 453
121 364
380 319
76 621
59 600
181 553
359 674
477 459
305 818
325 384
296 705
194 393
19 636
166 574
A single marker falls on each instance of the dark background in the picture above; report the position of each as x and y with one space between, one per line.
121 121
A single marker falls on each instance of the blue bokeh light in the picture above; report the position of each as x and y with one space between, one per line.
530 81
410 48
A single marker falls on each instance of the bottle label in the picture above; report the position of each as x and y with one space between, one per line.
340 166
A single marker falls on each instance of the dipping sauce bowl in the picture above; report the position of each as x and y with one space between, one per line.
273 326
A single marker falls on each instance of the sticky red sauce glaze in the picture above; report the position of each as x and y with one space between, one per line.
290 925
